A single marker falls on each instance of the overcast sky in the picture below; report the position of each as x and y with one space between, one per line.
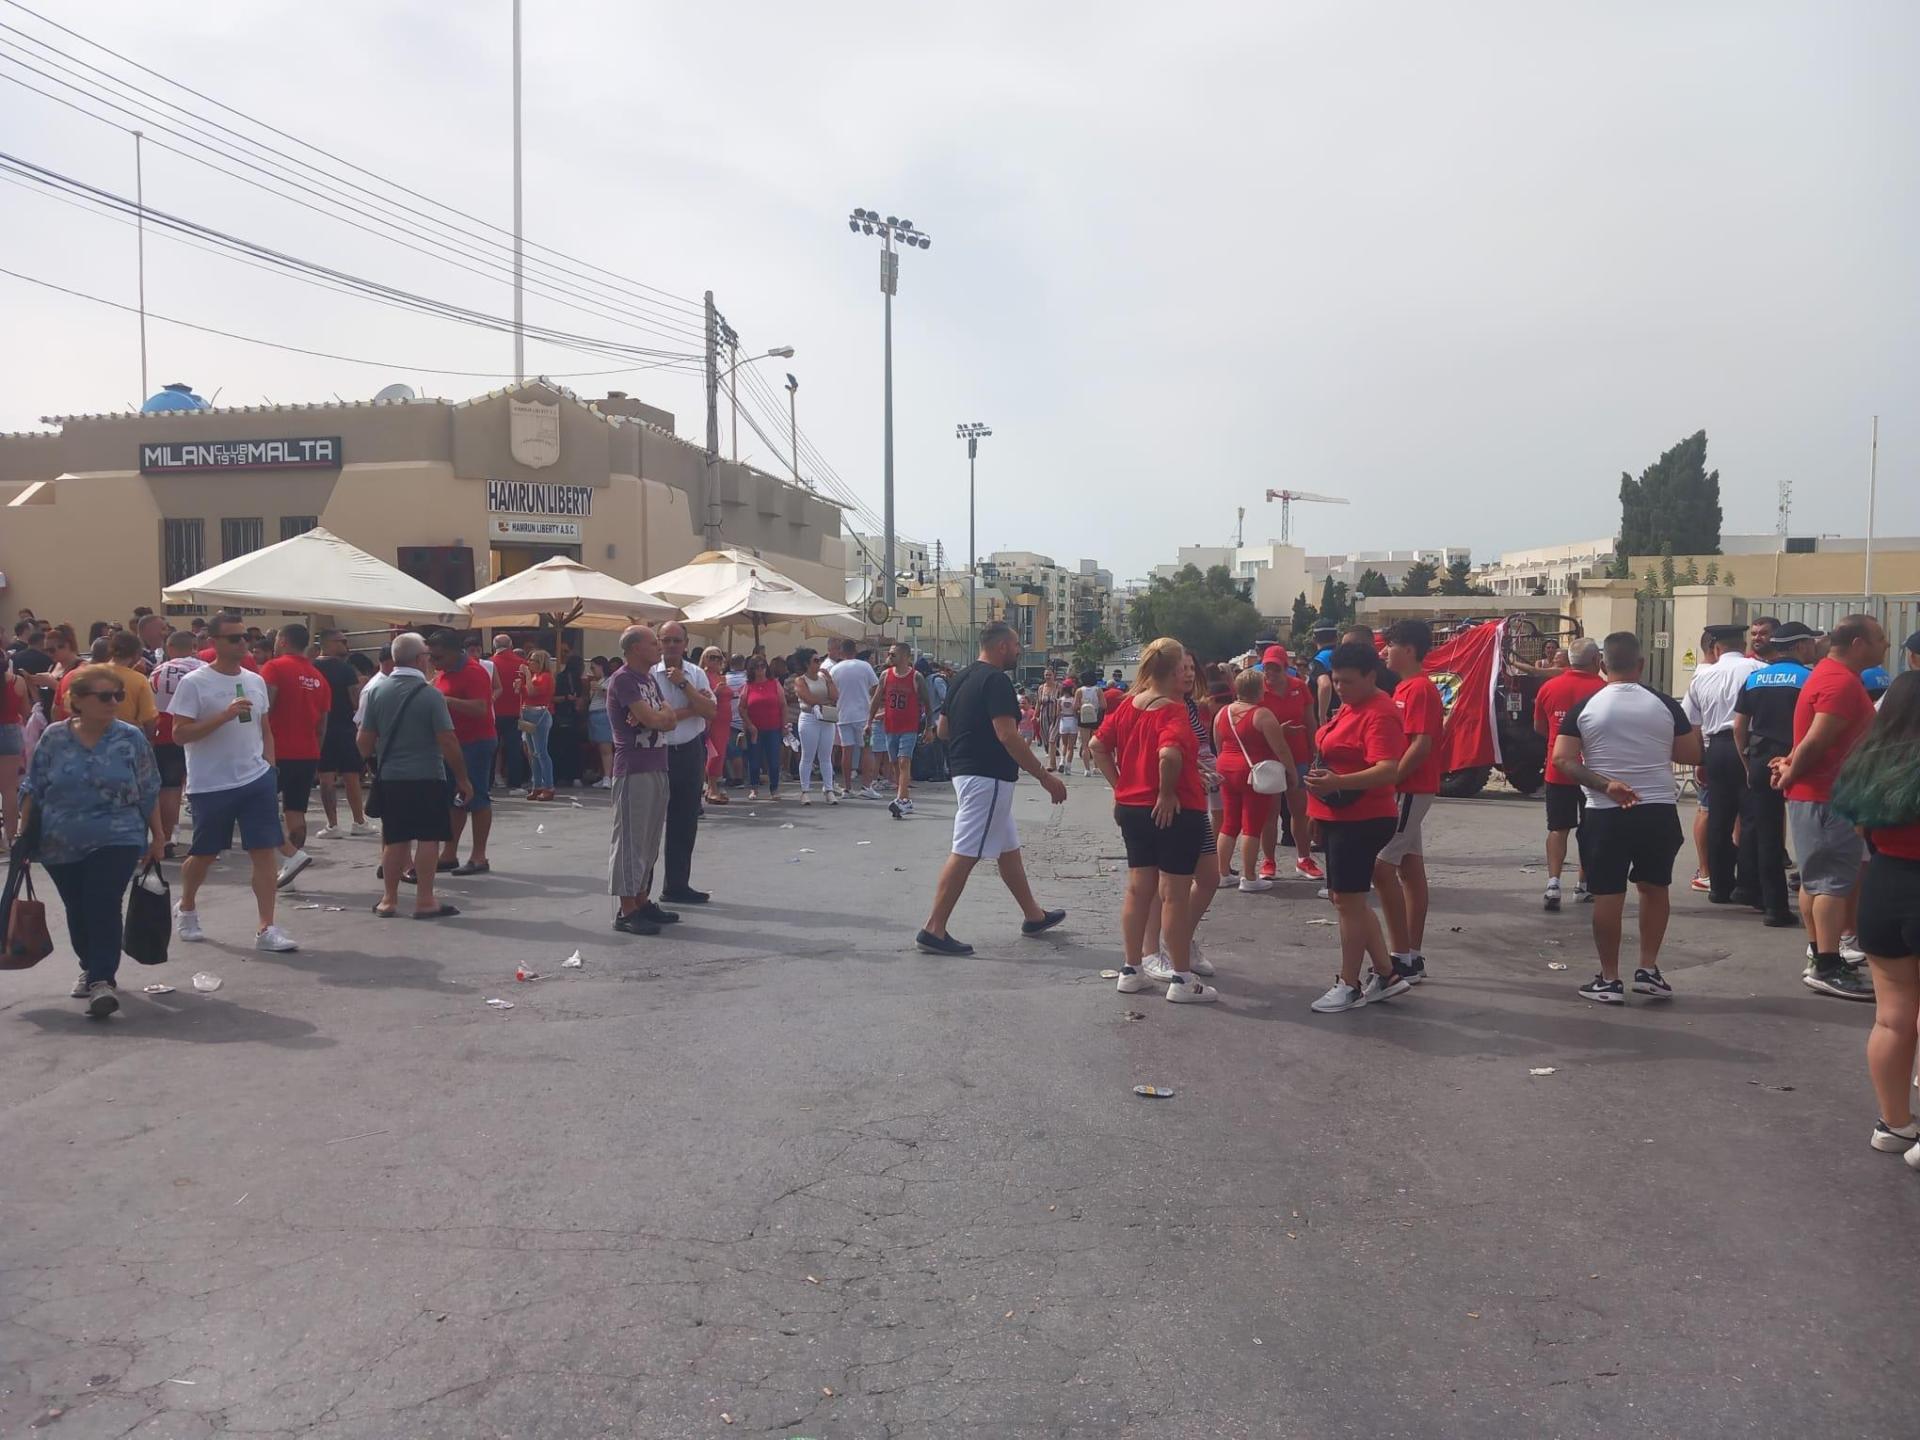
1462 264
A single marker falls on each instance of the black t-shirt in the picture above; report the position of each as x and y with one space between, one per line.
980 692
341 677
29 661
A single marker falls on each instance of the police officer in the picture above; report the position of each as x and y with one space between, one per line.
1763 730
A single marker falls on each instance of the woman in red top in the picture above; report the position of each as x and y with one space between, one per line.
1146 749
1245 733
1350 793
1878 789
764 706
536 721
14 703
713 660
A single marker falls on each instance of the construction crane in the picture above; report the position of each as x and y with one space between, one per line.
1286 499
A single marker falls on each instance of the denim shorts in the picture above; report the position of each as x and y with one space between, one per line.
479 757
13 740
599 727
899 747
254 807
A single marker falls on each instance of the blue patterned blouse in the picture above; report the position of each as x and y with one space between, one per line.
89 799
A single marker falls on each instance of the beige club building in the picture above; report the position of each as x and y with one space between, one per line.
101 512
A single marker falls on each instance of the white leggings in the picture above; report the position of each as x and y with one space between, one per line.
816 749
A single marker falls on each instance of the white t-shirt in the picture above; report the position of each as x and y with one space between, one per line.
1626 732
856 682
694 727
235 754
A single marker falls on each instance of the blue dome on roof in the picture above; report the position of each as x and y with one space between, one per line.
177 396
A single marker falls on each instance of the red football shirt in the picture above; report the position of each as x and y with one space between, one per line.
1358 737
507 664
1136 737
1292 706
900 709
1556 698
301 699
1832 689
469 682
1422 712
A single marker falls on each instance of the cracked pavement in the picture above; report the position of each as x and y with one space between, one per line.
776 1174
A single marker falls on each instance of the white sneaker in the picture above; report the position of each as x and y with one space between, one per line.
291 867
907 805
1254 887
1322 894
1341 997
186 925
806 797
1192 993
1850 950
1131 982
1198 959
1158 967
327 832
874 792
832 799
360 827
1385 987
275 939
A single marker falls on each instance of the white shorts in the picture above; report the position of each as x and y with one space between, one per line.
851 734
983 827
1406 834
1069 724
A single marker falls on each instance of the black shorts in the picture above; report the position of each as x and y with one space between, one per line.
171 762
1175 850
1352 847
1637 843
1564 804
340 749
1890 907
415 810
296 784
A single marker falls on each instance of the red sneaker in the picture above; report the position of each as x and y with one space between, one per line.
1307 869
1701 884
1267 872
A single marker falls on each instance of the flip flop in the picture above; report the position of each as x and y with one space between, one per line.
384 913
485 867
442 913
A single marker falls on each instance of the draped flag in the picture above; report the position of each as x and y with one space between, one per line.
1467 671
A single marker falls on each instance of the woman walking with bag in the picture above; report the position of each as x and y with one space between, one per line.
814 689
93 792
1253 752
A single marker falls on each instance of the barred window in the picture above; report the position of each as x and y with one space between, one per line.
292 525
184 543
241 537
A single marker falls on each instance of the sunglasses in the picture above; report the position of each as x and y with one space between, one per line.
116 696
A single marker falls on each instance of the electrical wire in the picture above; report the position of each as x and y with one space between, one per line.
296 349
689 305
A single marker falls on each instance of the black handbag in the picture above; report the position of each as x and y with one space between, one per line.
376 801
149 923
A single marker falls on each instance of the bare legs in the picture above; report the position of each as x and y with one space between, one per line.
1403 902
1609 913
424 857
1891 1042
953 882
1360 937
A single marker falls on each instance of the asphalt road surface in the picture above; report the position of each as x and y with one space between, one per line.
777 1174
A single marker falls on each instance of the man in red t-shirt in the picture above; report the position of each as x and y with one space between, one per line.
471 702
507 665
1400 874
1291 703
1830 718
298 698
1565 800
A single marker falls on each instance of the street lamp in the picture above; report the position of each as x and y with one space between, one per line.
731 339
973 432
793 423
868 222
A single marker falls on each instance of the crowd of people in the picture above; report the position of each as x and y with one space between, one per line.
1214 769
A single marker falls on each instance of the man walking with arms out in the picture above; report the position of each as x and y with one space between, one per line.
219 718
1832 715
686 691
981 725
1565 799
1621 743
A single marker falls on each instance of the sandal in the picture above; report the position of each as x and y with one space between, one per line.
483 868
442 913
384 913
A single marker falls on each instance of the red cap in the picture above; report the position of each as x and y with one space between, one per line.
1275 655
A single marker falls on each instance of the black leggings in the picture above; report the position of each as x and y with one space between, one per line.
92 889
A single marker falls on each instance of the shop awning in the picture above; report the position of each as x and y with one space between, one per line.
316 573
712 571
754 598
561 592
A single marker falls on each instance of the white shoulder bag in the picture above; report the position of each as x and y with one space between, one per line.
1269 777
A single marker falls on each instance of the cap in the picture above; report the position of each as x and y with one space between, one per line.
1724 633
1913 643
1326 630
1792 631
1274 655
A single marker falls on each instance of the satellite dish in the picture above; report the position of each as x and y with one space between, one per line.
396 391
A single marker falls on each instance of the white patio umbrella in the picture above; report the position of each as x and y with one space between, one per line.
561 592
761 602
316 573
712 571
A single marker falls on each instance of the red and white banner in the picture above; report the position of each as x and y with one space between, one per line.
1467 671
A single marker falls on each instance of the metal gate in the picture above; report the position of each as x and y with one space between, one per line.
1654 622
1900 614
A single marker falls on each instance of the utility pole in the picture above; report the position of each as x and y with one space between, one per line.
712 486
140 206
939 594
868 222
1873 477
971 431
519 300
793 424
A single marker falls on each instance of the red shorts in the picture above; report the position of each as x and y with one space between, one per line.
1246 809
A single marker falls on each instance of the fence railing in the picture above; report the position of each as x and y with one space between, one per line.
1900 614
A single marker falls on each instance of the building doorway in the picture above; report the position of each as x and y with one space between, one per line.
505 560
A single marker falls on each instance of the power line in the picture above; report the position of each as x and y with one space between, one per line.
298 350
686 303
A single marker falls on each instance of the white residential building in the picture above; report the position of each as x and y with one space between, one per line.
1546 569
1392 565
1275 574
